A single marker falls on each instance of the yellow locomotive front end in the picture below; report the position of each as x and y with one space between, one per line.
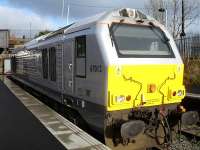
133 86
144 85
148 71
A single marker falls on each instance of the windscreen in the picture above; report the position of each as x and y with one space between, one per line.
140 41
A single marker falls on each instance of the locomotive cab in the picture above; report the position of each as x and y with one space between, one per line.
146 68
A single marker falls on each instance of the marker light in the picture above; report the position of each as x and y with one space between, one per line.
120 99
174 93
180 93
128 98
151 88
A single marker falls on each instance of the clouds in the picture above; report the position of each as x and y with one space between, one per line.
47 14
22 22
13 18
78 8
41 7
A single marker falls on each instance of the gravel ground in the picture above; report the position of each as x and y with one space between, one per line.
184 144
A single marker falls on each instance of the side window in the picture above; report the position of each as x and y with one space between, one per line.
81 47
45 63
52 63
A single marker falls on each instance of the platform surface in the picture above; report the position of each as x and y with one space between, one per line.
19 129
28 124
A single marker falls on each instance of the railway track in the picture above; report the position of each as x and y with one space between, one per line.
188 138
192 132
192 103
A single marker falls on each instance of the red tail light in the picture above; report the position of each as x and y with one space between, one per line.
128 98
174 93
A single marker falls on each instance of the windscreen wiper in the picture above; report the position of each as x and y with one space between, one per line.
153 27
111 30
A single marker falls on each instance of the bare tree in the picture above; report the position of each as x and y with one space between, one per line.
174 13
153 6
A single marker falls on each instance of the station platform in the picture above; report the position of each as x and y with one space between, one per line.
28 124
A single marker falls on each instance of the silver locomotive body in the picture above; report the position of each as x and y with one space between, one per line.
80 66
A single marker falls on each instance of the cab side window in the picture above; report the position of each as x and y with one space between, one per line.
81 47
80 50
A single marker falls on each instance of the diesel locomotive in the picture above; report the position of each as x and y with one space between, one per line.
119 70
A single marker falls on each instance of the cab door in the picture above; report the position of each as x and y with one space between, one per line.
74 63
80 66
68 67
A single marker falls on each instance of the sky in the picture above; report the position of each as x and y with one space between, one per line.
19 15
50 14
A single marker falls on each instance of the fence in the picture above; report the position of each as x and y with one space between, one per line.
189 47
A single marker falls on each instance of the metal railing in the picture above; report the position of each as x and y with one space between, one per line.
189 47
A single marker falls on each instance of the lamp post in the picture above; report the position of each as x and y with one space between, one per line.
183 20
163 10
183 30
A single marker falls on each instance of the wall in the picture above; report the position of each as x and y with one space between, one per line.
4 39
